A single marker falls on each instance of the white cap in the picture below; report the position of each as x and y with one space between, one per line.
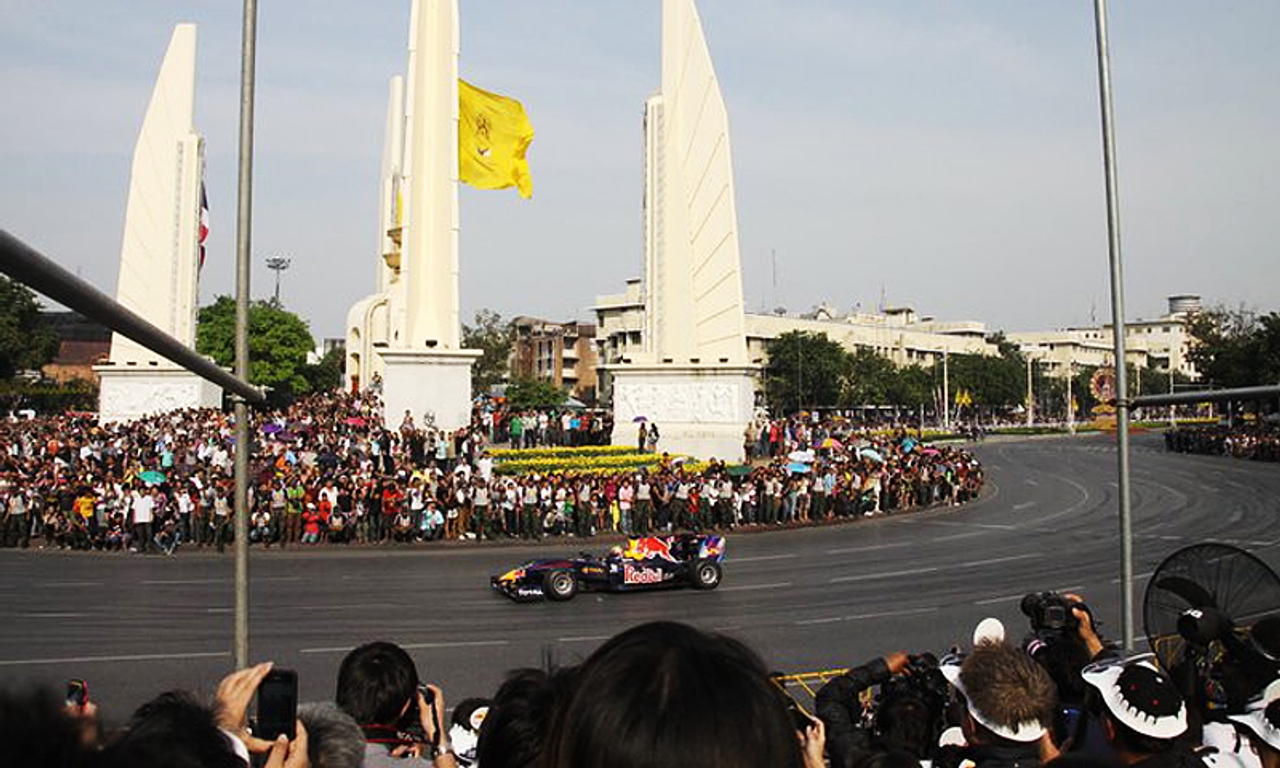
1145 702
1255 717
989 630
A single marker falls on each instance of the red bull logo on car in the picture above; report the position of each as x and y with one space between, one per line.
649 547
632 574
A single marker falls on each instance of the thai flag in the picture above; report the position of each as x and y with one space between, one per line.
204 221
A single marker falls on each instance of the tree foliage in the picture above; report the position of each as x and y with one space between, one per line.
805 370
1236 348
326 375
278 343
532 393
25 344
999 381
494 337
809 370
870 378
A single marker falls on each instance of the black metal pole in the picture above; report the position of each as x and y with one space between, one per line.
32 268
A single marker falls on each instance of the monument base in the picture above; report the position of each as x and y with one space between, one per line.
127 392
433 386
700 410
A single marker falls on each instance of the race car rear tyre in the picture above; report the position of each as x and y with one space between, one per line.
560 585
706 574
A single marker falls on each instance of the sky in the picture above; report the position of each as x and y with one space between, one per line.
941 155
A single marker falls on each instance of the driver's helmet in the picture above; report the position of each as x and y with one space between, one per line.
615 551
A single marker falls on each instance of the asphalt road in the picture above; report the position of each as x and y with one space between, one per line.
807 599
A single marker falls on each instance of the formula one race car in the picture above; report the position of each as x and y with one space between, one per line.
651 562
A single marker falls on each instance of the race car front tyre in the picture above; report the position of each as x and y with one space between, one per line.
560 585
706 574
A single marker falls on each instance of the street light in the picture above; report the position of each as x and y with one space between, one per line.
278 264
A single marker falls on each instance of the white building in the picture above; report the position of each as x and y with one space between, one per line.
1159 345
897 333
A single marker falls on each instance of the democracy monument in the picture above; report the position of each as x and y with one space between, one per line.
440 131
692 376
161 253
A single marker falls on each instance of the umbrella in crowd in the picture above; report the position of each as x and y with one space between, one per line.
799 457
873 455
152 476
738 470
797 468
270 428
831 443
639 419
356 421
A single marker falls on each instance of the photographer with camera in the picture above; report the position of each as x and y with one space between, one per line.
1063 641
401 717
907 716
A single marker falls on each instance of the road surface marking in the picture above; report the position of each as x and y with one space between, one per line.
872 548
60 584
955 536
885 614
1024 505
760 558
186 582
830 620
882 575
413 646
354 606
53 615
997 560
1020 595
583 639
752 587
113 659
202 582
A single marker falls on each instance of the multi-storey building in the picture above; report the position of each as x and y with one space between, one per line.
563 354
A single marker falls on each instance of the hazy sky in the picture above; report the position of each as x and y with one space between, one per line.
943 155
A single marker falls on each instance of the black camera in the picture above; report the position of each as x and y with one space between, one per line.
921 681
1051 614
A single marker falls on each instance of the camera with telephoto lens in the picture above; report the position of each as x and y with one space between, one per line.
921 681
1051 614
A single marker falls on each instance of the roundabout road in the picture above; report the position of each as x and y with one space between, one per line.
810 598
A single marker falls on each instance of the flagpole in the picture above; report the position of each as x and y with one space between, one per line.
244 222
1117 324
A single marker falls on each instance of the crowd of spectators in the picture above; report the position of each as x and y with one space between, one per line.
1259 442
668 694
327 470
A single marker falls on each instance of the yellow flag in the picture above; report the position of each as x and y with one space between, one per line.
493 135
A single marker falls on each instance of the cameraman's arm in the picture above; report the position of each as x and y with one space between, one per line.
1086 631
432 716
839 708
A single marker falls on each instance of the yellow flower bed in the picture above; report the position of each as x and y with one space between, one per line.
600 464
512 454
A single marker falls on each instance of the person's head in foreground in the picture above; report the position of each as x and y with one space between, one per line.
1009 698
1142 712
667 694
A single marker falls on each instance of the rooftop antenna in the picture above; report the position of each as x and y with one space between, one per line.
773 255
